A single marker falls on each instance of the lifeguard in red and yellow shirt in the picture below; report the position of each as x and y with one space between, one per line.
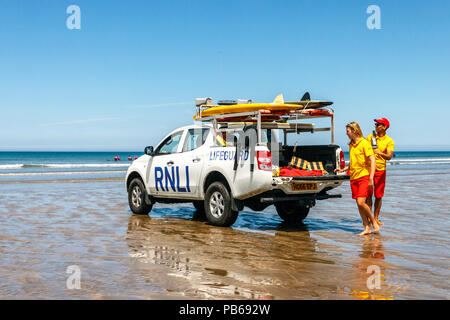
362 170
384 152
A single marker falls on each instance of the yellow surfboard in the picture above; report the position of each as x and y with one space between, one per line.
277 105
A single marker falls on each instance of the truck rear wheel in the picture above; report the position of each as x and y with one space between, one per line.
218 206
136 197
291 211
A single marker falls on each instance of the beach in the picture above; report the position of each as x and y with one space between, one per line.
48 225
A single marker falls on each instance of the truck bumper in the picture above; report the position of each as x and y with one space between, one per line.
317 184
312 197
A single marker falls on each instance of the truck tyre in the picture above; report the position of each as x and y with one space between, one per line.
291 211
218 206
136 197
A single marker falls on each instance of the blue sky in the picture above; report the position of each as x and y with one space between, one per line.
131 73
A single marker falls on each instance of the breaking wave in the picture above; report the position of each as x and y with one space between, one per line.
63 165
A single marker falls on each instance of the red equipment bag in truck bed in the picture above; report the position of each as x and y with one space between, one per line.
292 172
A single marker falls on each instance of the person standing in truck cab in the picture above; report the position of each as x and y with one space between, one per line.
383 152
362 170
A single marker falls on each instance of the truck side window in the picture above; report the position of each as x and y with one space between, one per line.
195 138
169 145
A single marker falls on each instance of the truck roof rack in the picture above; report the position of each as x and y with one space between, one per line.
263 120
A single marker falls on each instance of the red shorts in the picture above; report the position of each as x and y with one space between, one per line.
360 187
379 182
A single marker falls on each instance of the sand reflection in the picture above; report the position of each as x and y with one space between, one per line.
211 262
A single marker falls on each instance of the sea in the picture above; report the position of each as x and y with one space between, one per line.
49 166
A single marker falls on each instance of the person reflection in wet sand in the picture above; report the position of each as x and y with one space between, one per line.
362 170
372 248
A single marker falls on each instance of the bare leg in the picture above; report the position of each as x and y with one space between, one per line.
369 202
366 215
365 221
377 208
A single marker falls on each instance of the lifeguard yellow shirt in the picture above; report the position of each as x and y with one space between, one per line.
384 144
360 151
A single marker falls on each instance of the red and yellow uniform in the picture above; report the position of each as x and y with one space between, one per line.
384 144
360 151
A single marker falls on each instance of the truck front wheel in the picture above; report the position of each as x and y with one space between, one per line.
136 197
218 206
291 211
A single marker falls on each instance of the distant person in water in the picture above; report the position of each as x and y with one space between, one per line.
384 152
362 170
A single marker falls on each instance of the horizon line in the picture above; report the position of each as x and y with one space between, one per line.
435 148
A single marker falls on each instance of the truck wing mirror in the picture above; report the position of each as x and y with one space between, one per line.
148 150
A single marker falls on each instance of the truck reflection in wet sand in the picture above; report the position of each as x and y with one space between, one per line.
259 258
155 244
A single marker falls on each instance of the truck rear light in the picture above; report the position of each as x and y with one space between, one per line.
264 159
342 159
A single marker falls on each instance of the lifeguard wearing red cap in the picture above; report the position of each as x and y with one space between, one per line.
383 153
382 121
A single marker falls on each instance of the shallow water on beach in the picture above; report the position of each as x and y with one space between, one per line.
171 254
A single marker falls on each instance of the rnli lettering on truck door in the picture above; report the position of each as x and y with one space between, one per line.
169 179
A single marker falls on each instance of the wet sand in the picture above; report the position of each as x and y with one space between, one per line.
171 254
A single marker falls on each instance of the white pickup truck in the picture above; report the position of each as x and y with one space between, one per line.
221 167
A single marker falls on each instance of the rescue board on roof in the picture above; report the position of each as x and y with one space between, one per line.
277 105
237 108
276 108
311 104
306 101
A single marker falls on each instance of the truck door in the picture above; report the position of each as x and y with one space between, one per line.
194 155
164 175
